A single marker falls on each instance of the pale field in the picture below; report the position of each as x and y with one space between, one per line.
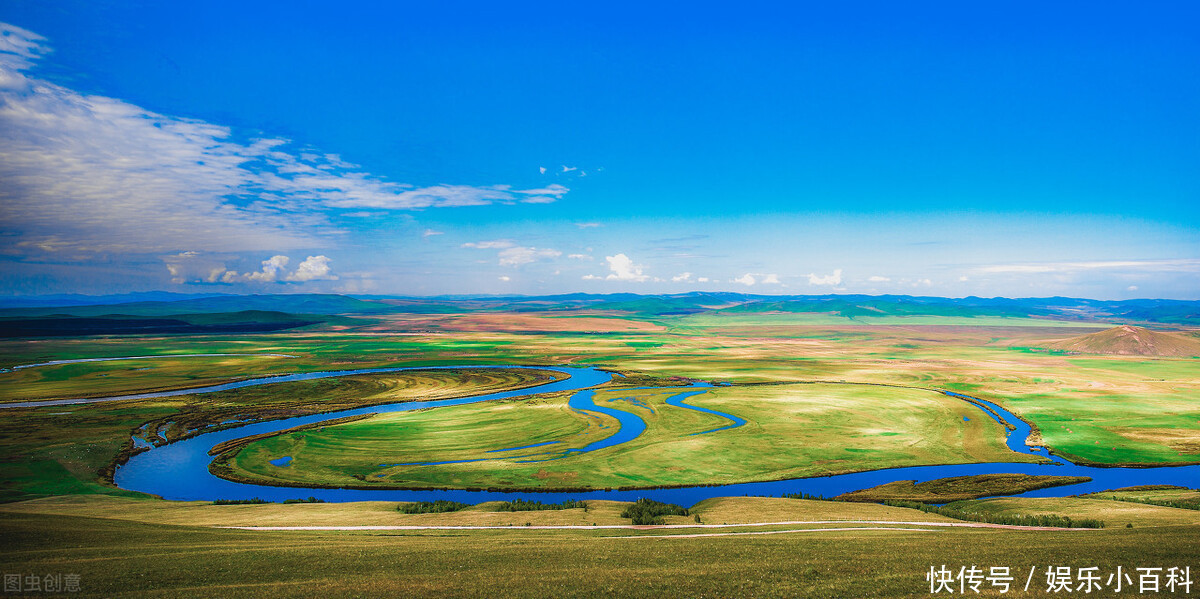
1115 514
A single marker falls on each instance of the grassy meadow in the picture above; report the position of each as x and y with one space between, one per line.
792 431
812 388
127 550
1101 409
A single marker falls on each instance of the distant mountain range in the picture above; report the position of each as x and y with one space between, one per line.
294 306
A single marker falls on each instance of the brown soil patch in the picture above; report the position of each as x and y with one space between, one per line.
1181 440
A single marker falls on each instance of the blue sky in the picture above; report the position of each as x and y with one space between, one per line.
928 148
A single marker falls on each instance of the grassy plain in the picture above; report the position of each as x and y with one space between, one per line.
119 558
68 449
792 431
1102 409
1098 408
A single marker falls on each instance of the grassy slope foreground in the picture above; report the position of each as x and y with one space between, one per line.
116 555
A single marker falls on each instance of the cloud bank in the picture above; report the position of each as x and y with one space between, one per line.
89 174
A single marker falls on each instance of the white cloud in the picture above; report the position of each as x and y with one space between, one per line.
1184 265
553 189
505 278
746 279
1131 288
702 280
833 279
517 256
579 256
964 279
270 269
771 279
487 245
567 169
193 267
431 233
196 267
97 174
314 268
878 279
21 43
591 278
623 269
588 225
514 255
542 170
682 277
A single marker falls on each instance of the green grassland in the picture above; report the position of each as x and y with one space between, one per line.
116 555
1102 409
792 431
1160 495
71 449
807 376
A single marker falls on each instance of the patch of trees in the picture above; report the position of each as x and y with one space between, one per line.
440 506
523 505
648 511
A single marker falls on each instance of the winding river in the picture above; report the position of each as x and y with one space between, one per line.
179 470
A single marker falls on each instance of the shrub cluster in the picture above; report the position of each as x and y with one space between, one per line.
255 500
524 505
807 496
1009 519
440 506
309 500
648 511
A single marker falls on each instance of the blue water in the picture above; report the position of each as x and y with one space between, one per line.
282 462
180 470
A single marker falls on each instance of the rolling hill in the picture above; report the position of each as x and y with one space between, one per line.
1128 340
